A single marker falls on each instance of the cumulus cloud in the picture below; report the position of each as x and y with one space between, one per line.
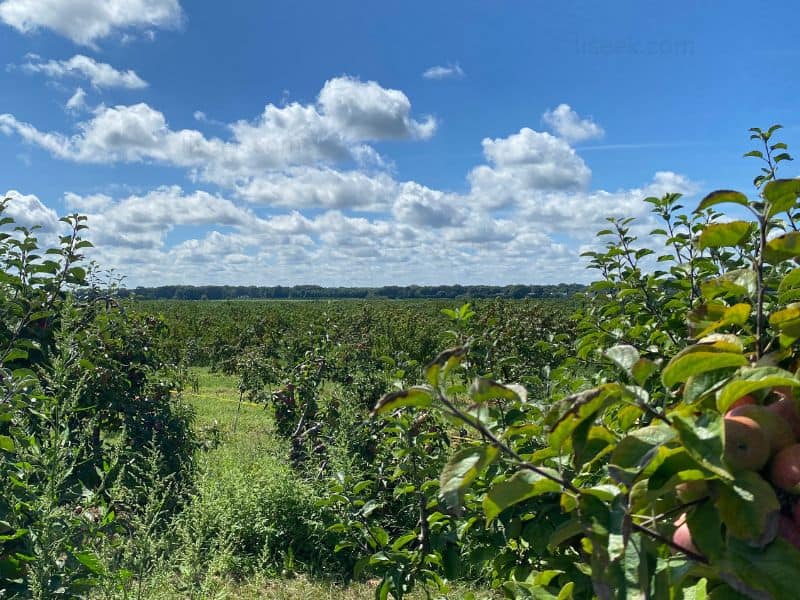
567 124
423 207
367 111
525 161
144 221
312 187
87 21
448 71
348 115
299 205
99 74
91 203
28 210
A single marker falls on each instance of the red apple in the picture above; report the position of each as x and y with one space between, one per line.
746 446
682 536
743 401
776 429
786 408
784 471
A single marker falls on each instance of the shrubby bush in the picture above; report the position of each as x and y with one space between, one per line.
86 398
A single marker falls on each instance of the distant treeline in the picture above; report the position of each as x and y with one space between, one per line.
316 292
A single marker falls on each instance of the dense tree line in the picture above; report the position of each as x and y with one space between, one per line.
316 292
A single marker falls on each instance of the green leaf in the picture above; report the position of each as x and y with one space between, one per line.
787 320
702 438
722 235
14 354
91 561
417 396
706 528
7 443
697 592
772 572
441 365
739 282
783 247
642 370
751 379
582 407
400 542
782 195
623 355
722 196
637 450
524 484
699 359
462 469
746 507
380 535
789 288
732 315
484 389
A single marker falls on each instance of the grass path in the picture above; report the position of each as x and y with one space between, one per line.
249 451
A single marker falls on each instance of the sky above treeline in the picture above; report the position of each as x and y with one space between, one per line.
378 143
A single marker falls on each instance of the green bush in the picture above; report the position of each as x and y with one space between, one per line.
85 396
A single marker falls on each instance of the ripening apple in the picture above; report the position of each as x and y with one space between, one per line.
784 472
776 429
682 536
746 446
743 401
786 408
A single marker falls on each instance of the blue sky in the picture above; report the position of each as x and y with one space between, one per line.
362 143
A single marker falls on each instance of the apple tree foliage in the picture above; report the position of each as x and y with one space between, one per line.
678 327
86 397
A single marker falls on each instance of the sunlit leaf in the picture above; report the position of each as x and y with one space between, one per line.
462 469
723 235
699 360
417 396
720 197
782 195
783 247
524 484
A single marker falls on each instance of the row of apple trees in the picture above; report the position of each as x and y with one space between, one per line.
85 401
673 471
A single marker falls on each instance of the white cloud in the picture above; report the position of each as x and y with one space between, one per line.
311 187
523 162
28 211
99 74
144 221
86 21
366 111
348 114
330 220
566 123
92 203
449 71
423 207
77 102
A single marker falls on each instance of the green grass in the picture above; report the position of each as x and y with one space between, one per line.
252 529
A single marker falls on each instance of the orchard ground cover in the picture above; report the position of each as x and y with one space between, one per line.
247 452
